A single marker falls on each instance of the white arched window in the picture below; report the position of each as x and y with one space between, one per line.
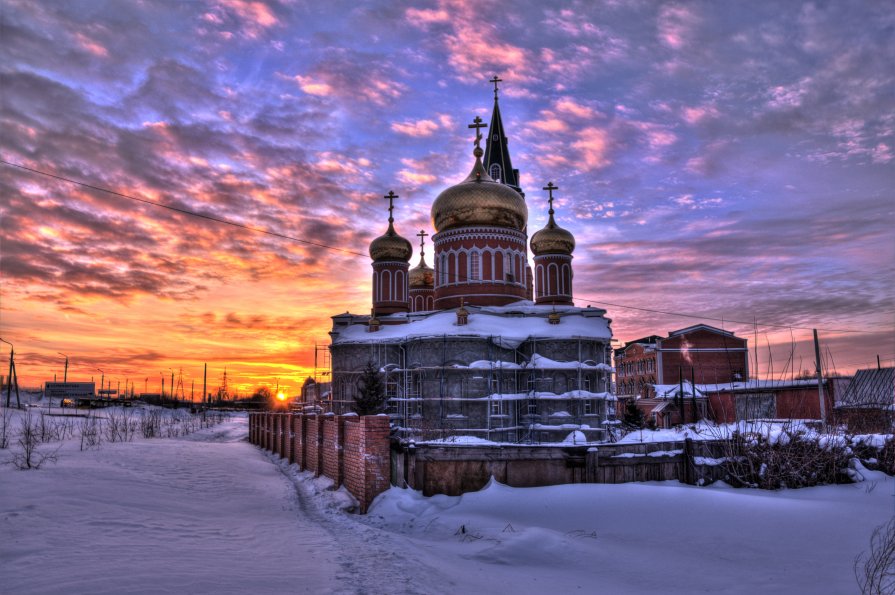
475 266
385 286
495 172
540 283
442 272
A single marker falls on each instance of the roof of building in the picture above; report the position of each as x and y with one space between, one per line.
870 389
501 324
697 327
647 342
673 391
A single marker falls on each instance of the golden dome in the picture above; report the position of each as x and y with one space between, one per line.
553 239
479 200
390 246
421 276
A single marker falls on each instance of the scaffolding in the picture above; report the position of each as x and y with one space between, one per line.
434 400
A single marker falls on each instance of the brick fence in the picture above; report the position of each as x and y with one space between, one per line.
352 451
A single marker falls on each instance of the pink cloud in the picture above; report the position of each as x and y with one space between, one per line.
312 87
567 105
676 25
694 115
592 146
91 46
423 17
417 128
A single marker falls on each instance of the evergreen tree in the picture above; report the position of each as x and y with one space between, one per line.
633 416
370 398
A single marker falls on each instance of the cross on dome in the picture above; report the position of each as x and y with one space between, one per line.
391 196
422 236
550 188
477 124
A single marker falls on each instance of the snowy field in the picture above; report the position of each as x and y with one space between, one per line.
209 513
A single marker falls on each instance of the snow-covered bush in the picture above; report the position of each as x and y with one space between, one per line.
786 459
876 451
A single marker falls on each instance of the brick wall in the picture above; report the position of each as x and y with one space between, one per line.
366 457
313 436
352 451
333 437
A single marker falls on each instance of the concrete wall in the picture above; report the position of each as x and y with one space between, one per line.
454 470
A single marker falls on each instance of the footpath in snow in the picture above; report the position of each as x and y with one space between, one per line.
210 513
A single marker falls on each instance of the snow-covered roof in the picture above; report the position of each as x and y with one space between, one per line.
507 326
672 391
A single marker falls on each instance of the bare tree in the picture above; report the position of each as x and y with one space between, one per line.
875 570
28 456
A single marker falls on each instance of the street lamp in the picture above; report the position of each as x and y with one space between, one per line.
65 376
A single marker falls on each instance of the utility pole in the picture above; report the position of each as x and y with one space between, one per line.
13 377
65 374
102 382
204 383
820 378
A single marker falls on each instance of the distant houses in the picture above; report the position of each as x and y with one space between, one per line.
702 372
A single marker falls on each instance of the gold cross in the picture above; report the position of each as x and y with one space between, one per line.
550 188
477 124
391 196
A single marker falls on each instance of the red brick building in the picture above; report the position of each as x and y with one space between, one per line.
635 366
700 353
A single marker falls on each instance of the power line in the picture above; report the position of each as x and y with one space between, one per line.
184 211
353 253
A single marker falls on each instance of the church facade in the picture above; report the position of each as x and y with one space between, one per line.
480 345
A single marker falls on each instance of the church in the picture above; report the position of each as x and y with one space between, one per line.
480 346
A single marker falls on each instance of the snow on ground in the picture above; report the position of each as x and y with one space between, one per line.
211 513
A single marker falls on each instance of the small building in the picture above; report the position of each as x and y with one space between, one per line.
672 404
635 365
701 353
867 404
70 390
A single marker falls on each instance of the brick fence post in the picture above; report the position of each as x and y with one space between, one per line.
289 439
265 434
333 437
278 436
313 436
299 441
251 429
284 435
366 457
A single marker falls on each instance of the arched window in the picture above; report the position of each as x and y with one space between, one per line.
386 286
443 271
540 283
399 286
475 266
552 278
495 172
508 268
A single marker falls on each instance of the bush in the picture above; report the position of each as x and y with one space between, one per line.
789 459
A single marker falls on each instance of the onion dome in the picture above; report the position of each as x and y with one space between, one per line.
421 276
479 200
390 246
553 239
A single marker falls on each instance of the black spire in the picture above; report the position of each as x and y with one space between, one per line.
497 155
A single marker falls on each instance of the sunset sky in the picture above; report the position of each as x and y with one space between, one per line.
729 160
